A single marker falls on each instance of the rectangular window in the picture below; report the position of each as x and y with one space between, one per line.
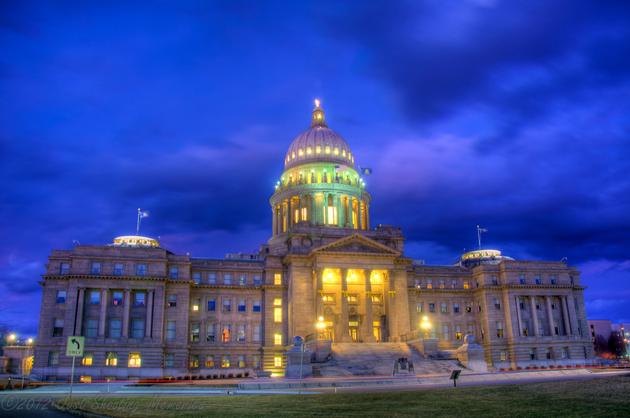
499 325
431 307
211 333
172 301
95 297
277 339
466 284
533 355
119 269
377 299
256 333
277 279
196 276
87 359
256 307
111 359
242 305
61 296
117 298
139 299
135 360
169 360
91 328
328 298
241 362
242 280
240 333
353 299
58 328
565 353
445 332
277 361
194 332
429 283
225 362
441 284
503 355
173 272
227 279
418 284
521 279
458 332
549 353
53 358
137 328
194 361
277 315
212 305
471 328
195 304
227 305
171 333
256 279
256 361
141 269
468 307
212 278
210 361
497 304
96 268
495 280
64 268
443 307
226 333
525 330
537 279
456 308
553 279
115 328
419 307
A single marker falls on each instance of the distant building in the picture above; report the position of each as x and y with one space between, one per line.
324 274
601 327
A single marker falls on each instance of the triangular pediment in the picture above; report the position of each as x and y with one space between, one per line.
356 244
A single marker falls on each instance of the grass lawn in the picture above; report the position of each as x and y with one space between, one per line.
603 397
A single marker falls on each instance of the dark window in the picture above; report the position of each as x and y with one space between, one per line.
61 296
173 273
139 299
256 307
172 301
58 328
118 269
64 268
431 307
242 306
141 270
96 268
117 298
212 305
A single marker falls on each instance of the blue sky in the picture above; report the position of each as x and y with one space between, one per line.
513 116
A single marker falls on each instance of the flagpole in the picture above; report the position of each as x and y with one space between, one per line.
138 223
479 236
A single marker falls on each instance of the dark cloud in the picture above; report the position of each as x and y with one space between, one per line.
488 112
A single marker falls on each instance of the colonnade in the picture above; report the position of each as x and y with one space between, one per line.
567 316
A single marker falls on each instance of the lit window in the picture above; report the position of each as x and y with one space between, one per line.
277 302
277 279
277 339
328 298
503 355
87 359
135 360
377 299
327 149
111 359
118 269
499 329
61 296
241 361
293 155
343 153
225 362
301 152
193 362
309 150
318 149
336 151
277 315
195 304
429 283
96 268
353 299
466 284
226 333
85 379
419 306
209 361
277 361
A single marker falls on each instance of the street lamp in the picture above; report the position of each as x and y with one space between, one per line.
12 337
425 325
25 360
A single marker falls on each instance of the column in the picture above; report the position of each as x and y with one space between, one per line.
573 315
319 286
518 316
149 321
360 213
344 331
103 316
78 326
274 220
127 307
565 316
369 321
532 300
550 315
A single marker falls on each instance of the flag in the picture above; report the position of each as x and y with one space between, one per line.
483 230
144 214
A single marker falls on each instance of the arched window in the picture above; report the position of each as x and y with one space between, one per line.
355 213
331 211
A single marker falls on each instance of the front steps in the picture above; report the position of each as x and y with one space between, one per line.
377 359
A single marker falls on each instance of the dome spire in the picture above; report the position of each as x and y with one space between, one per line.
318 118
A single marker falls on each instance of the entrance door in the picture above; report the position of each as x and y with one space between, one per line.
353 327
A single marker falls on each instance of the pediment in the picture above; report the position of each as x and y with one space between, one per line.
356 244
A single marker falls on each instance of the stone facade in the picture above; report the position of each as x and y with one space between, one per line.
324 274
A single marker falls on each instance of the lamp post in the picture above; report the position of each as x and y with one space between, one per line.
425 325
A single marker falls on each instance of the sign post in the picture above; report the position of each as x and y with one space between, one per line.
74 349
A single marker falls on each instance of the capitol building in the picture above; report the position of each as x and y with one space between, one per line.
328 274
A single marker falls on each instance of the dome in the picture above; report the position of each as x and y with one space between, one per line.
319 143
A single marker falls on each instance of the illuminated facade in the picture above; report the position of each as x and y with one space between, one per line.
324 274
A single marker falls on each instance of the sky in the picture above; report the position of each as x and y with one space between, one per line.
511 115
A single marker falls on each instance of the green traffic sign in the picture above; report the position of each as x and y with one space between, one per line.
74 347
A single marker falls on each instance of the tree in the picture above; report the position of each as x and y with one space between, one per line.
600 345
616 344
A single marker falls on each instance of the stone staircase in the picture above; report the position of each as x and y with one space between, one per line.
377 359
